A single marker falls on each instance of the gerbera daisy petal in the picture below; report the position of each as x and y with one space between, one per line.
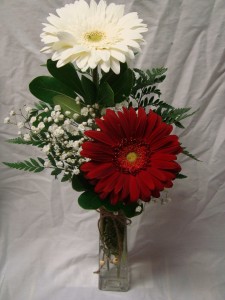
99 136
134 189
126 164
98 27
100 171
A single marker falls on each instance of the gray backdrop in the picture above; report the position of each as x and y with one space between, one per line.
49 246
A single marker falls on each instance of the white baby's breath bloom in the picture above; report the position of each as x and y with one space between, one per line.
96 105
52 128
57 108
59 164
47 164
89 122
49 119
81 127
7 120
33 119
28 109
58 132
26 137
91 36
67 113
84 111
76 171
67 122
46 148
12 113
41 125
75 116
35 129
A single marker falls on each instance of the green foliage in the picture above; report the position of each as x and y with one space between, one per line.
52 160
105 94
121 84
133 209
174 115
66 177
67 104
46 88
90 90
79 183
180 176
40 106
56 172
145 79
67 75
89 200
35 141
30 166
187 153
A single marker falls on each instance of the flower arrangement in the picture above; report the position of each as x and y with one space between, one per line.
100 124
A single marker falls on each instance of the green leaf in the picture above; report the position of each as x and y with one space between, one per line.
110 207
42 161
79 183
105 94
35 141
89 200
19 140
46 88
66 74
110 76
66 177
122 85
130 210
180 176
30 166
67 104
187 153
143 80
52 160
90 90
56 172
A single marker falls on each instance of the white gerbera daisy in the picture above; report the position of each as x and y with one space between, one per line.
91 36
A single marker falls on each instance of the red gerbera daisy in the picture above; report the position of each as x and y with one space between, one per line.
132 156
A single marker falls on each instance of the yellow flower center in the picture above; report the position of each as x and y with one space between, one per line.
132 157
94 36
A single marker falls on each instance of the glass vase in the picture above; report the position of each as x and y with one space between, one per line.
113 261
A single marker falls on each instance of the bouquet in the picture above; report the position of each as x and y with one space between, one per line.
100 124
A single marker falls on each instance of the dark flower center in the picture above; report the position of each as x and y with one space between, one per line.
131 156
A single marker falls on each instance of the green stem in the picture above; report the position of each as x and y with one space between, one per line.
95 76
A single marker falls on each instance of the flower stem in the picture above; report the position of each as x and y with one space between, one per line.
95 76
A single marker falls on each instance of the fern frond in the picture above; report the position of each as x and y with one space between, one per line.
187 153
30 166
144 81
19 140
35 141
180 176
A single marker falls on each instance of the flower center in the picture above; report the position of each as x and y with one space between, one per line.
94 36
131 156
